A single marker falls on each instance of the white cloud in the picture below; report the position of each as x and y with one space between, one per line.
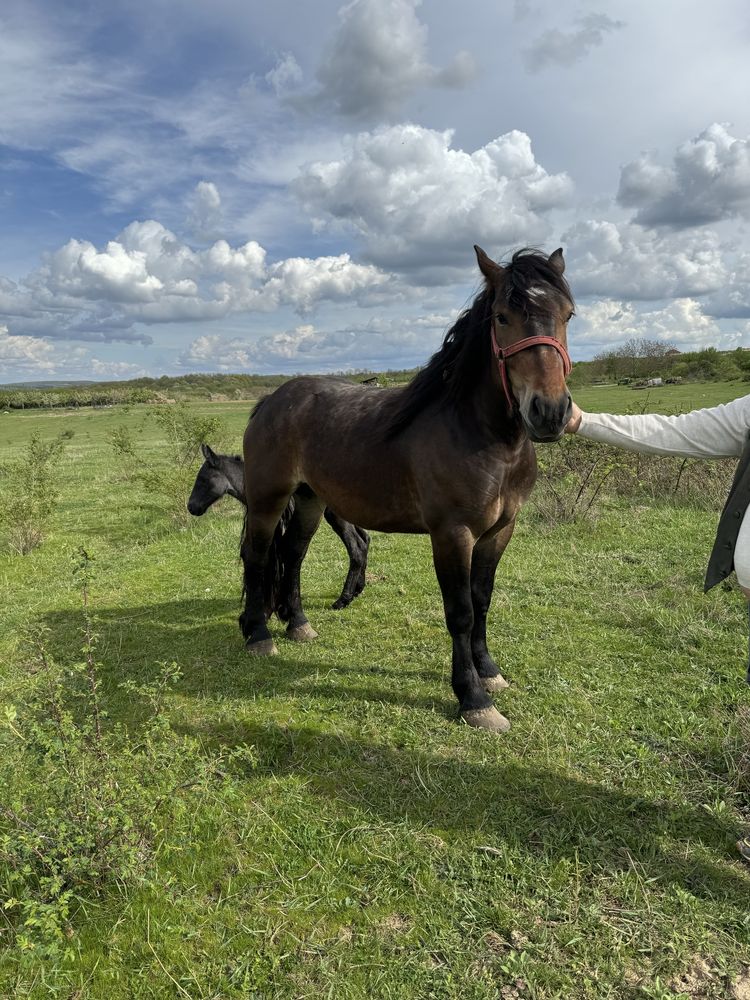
606 323
147 275
732 300
21 355
377 59
565 48
378 344
708 180
286 75
79 270
115 369
205 215
420 205
24 358
606 259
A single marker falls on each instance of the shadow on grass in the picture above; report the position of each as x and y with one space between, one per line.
517 806
203 637
521 812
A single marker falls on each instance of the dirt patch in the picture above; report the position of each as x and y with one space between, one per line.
698 981
741 986
514 992
395 925
495 942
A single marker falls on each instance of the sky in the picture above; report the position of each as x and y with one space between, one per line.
297 186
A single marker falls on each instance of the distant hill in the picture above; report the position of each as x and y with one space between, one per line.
47 384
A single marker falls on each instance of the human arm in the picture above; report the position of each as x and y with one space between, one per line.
714 432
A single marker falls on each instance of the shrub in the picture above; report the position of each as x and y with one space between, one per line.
31 493
123 445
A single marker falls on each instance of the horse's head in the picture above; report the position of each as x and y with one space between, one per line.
214 480
531 305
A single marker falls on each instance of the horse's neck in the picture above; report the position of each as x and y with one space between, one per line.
488 411
235 473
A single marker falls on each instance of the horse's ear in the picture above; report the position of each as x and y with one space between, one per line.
208 454
557 262
487 266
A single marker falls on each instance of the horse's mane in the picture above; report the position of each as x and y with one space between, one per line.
456 368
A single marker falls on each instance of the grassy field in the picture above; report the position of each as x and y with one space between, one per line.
351 839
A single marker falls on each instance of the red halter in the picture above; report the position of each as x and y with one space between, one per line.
503 353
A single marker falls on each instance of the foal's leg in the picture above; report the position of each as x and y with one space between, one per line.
357 543
260 526
299 533
452 551
487 553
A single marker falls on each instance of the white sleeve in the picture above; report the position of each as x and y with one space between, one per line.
716 432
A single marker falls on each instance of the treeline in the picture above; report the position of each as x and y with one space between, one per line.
637 359
643 359
164 389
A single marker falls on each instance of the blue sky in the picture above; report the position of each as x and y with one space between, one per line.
297 187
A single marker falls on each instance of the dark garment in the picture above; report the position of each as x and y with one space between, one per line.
721 561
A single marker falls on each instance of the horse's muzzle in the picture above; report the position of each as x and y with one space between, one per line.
545 418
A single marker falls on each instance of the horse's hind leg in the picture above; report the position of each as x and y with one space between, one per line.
486 556
357 543
303 525
258 537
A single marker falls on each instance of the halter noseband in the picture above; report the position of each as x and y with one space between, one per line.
503 353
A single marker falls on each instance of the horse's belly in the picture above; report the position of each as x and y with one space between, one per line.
369 501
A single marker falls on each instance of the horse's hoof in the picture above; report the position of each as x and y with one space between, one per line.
301 633
496 683
486 718
339 604
263 647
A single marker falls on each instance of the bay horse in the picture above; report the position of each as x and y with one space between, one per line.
224 475
449 455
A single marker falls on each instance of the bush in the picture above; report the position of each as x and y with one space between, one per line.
31 493
572 475
575 475
86 802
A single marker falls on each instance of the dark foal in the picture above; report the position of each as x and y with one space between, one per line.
224 475
449 455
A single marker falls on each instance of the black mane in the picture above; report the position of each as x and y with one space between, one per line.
454 371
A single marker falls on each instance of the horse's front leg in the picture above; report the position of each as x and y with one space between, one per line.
452 551
486 556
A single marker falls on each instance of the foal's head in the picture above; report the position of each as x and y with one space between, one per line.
219 475
530 299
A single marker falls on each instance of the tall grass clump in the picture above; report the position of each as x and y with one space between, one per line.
88 802
31 492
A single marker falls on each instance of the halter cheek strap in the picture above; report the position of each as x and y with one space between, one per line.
503 353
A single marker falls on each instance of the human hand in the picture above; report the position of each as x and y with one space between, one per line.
575 419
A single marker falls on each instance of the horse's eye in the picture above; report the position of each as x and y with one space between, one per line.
570 317
502 320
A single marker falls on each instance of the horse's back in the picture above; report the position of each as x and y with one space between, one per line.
332 435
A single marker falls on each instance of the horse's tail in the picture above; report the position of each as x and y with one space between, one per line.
274 573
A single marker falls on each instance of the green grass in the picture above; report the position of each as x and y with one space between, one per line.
664 399
378 848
